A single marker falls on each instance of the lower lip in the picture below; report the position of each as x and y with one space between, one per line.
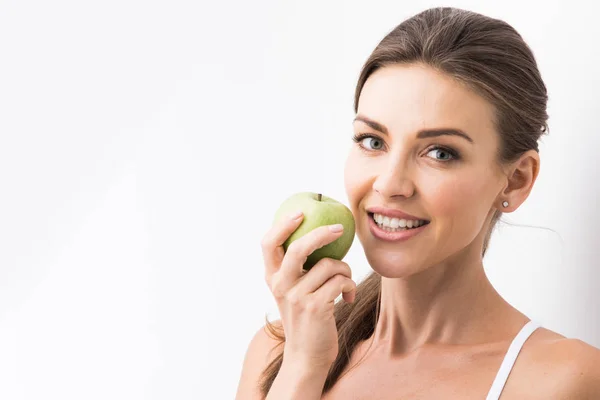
393 236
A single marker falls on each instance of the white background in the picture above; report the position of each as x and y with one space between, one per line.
145 145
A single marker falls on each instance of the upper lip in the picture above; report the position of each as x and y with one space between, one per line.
393 213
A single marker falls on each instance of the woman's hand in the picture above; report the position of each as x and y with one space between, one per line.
306 299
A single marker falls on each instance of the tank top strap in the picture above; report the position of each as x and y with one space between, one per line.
509 359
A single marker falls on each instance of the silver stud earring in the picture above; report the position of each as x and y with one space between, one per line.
505 203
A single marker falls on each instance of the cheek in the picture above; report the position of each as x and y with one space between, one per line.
460 195
352 175
459 204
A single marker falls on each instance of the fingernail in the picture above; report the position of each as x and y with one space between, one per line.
296 215
336 228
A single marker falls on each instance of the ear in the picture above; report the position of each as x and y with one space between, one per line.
520 177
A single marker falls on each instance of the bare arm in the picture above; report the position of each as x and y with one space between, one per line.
306 306
258 356
294 381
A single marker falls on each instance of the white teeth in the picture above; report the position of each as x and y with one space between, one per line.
397 223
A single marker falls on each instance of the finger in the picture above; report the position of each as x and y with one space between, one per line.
323 270
298 252
272 242
339 284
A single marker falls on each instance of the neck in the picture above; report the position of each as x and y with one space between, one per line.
453 303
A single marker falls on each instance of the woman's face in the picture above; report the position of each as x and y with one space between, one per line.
449 180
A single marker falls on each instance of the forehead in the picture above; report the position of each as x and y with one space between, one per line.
406 98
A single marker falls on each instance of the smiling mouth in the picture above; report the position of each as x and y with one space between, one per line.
396 224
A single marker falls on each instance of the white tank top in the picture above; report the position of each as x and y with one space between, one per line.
509 360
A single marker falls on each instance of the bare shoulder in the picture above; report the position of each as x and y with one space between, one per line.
570 368
264 343
262 349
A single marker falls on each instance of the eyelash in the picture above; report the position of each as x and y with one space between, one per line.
358 138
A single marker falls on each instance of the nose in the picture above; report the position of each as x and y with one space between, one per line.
394 181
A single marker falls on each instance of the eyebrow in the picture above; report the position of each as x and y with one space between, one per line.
422 134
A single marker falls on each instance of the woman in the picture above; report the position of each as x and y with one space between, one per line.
449 110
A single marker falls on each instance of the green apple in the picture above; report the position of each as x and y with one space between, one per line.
319 210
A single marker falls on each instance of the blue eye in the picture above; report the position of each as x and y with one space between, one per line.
443 154
376 142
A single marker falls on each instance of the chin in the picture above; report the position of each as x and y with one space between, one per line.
394 265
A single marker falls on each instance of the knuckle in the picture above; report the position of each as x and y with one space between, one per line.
295 248
277 293
312 306
346 268
293 298
342 282
352 284
265 243
324 230
335 267
349 285
276 288
327 263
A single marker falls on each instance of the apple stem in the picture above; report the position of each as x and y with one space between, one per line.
319 197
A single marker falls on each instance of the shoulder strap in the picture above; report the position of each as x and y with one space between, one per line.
509 360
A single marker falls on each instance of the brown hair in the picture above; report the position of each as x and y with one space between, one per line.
491 58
